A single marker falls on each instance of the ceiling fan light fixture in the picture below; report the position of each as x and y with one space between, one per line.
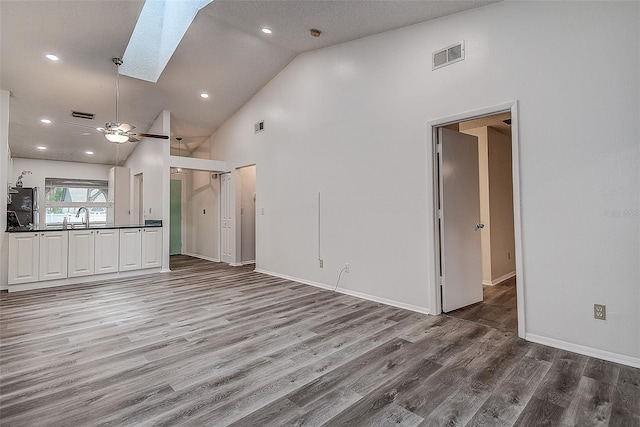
116 138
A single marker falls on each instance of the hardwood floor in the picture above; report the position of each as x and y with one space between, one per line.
209 344
498 308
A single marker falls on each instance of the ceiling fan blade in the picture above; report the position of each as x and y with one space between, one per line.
132 139
150 135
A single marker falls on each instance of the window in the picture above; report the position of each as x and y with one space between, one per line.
64 197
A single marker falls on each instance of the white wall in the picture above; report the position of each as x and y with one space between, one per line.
151 158
42 169
350 122
501 206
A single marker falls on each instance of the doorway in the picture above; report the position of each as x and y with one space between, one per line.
138 197
477 251
175 217
247 178
226 220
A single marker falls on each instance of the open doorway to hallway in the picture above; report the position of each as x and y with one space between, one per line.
247 178
479 284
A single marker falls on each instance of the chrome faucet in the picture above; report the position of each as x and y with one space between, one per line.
86 215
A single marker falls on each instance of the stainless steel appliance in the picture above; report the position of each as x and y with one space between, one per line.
25 205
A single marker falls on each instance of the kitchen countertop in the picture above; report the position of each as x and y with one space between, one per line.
149 223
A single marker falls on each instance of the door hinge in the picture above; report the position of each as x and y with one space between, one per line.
441 281
439 147
439 213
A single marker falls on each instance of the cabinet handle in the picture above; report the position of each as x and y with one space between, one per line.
42 234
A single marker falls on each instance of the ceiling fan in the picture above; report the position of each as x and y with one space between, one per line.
118 132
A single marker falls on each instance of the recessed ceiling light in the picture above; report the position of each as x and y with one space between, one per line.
88 152
204 95
51 57
41 147
46 121
267 31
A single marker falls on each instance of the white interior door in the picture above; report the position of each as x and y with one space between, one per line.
225 218
460 226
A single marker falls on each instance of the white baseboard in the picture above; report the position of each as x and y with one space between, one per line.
253 261
362 295
201 256
84 280
499 279
587 351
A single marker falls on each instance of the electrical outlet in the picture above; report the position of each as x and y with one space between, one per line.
321 264
346 267
600 311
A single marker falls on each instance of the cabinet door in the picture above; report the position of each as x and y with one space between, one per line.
24 253
130 249
107 245
151 247
53 255
81 253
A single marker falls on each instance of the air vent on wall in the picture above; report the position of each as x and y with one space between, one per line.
258 127
448 55
81 115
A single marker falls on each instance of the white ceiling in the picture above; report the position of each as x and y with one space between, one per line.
223 53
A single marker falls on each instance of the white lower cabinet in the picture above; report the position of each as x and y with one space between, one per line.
53 255
24 256
106 249
81 253
151 247
130 249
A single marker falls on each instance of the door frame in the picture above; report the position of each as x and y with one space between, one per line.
435 298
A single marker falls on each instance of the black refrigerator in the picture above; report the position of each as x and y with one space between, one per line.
24 202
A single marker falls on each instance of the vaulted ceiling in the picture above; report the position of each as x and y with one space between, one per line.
223 53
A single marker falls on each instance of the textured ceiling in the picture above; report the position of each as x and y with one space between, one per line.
223 53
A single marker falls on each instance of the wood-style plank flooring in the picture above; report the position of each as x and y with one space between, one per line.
498 308
213 345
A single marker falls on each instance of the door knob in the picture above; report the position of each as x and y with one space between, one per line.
479 226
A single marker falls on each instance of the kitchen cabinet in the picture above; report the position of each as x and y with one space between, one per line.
53 255
24 256
81 253
66 256
151 247
119 196
106 249
130 249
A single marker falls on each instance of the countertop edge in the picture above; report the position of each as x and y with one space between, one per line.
101 227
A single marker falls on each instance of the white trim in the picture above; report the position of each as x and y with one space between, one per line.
248 262
235 264
84 280
207 258
356 294
587 351
499 280
433 282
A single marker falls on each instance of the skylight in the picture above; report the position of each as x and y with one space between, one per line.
160 27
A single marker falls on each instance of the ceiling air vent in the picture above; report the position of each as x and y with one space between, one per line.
448 55
81 115
258 127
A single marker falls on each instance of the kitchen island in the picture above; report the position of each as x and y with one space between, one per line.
53 256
